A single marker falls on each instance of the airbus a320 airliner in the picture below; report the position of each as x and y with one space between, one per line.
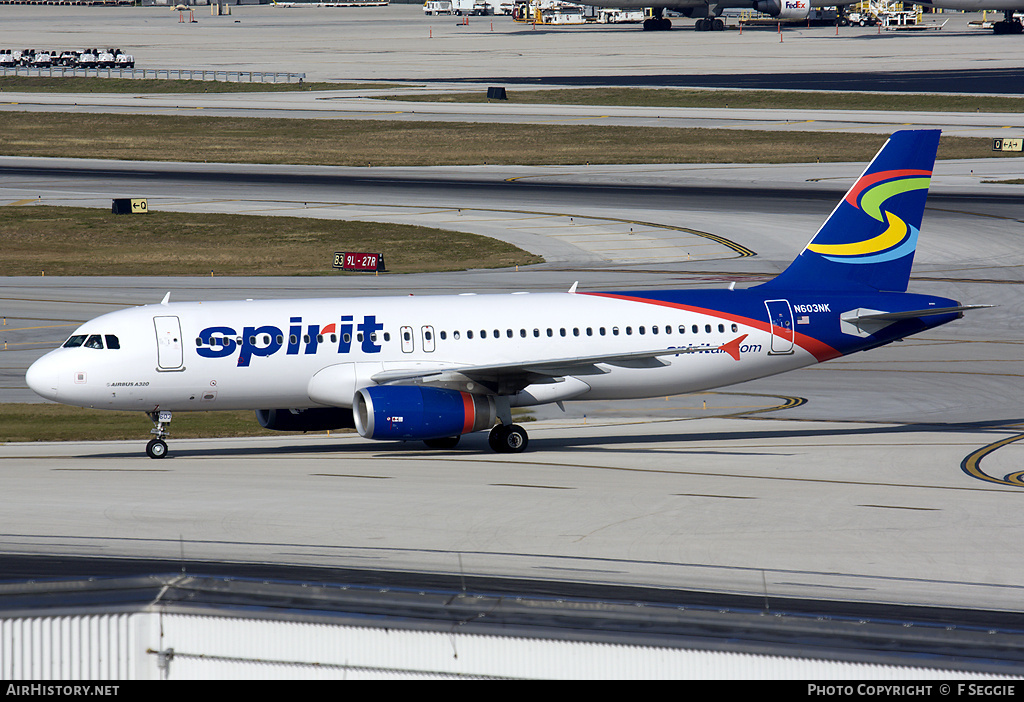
435 367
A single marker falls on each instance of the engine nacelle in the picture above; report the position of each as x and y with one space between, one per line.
784 9
315 419
412 412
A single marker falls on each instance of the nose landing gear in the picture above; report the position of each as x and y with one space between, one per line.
157 447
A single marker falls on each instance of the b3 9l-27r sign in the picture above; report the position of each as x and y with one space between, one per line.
354 261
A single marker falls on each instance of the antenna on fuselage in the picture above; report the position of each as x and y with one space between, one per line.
167 298
572 290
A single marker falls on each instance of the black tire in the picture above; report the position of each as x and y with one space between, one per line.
496 438
508 439
156 448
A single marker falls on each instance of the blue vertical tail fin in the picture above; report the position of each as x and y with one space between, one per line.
868 241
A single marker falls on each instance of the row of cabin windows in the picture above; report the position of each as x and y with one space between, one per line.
93 341
470 334
589 331
293 339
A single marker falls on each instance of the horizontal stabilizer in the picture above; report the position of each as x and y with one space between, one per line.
910 314
863 323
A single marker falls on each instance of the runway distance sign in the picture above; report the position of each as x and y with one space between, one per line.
354 261
1008 144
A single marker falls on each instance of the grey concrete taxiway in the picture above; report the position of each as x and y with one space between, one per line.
399 43
353 104
886 476
772 508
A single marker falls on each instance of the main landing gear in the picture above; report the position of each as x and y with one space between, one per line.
709 24
508 438
157 447
504 438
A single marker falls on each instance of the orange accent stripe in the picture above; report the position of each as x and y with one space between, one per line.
469 412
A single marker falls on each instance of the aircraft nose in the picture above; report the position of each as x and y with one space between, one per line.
42 378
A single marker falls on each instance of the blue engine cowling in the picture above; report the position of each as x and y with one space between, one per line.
412 412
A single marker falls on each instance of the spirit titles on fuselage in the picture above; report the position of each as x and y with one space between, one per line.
266 340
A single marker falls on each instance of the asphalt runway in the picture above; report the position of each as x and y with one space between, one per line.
976 81
887 477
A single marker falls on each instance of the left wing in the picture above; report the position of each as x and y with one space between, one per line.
509 378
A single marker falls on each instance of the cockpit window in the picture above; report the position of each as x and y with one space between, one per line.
92 341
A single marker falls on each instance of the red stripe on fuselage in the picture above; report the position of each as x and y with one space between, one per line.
468 411
819 349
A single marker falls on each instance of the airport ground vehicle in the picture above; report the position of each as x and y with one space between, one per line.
438 7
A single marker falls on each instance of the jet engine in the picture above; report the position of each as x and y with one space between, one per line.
315 419
413 412
784 9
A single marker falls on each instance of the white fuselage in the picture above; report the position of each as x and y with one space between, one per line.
316 353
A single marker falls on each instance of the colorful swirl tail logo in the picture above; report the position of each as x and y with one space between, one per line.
869 196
